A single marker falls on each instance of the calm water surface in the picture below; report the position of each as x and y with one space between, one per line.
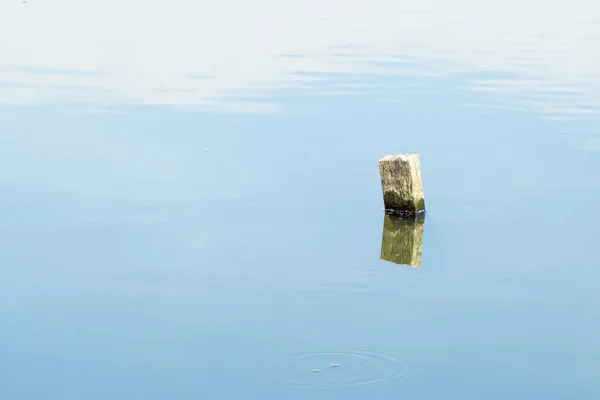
191 205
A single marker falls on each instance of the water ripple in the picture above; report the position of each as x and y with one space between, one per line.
340 367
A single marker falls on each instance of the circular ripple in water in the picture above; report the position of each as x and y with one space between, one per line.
357 367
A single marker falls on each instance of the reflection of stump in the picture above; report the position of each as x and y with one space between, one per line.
402 240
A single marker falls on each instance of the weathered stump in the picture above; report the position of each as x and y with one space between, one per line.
401 183
402 240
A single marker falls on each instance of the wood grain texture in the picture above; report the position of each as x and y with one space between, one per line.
401 183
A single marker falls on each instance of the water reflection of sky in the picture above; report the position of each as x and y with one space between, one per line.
228 55
153 252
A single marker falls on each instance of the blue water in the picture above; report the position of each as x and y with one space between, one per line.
199 250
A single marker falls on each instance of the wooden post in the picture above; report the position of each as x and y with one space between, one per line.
402 240
401 183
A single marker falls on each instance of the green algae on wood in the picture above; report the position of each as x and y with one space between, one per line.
401 183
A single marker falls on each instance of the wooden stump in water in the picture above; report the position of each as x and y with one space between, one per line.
402 240
401 183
